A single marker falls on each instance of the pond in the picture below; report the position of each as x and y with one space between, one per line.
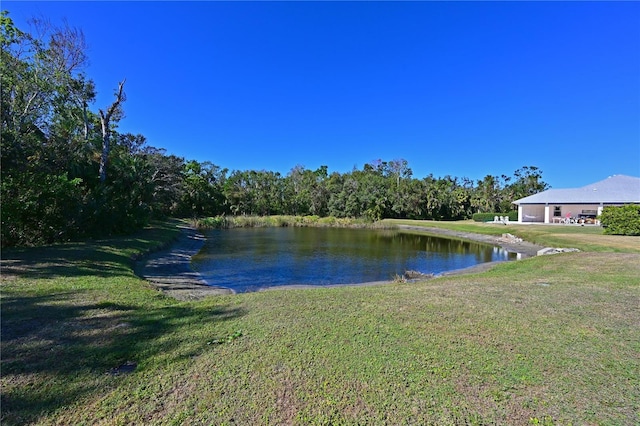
250 259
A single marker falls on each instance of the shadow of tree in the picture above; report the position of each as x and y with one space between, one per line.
66 261
104 258
59 348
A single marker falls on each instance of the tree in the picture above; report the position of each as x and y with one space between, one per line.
318 193
487 195
56 153
40 194
528 181
400 198
166 182
268 192
400 169
114 112
298 191
337 194
203 189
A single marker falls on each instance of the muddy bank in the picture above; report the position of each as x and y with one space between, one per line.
170 270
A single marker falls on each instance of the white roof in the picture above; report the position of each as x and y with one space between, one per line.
616 189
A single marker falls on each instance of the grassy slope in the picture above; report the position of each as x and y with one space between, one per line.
553 339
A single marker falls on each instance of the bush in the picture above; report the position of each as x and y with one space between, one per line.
488 217
623 220
40 209
484 217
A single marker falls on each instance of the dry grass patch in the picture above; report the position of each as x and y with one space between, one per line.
619 242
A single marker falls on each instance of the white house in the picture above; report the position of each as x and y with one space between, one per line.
556 205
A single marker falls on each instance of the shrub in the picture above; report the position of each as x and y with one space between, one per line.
623 220
483 217
488 217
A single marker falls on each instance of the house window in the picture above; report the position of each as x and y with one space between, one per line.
557 211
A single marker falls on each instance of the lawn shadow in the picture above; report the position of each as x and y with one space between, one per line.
56 350
104 258
65 261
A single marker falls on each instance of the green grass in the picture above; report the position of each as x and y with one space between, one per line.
586 238
546 340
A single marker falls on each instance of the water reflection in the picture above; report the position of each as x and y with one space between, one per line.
254 258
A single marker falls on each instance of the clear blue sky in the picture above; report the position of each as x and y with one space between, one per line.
456 88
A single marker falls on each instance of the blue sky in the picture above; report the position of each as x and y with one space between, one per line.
456 88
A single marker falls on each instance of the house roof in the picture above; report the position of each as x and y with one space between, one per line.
617 189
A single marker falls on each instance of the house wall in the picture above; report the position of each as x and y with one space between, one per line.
541 213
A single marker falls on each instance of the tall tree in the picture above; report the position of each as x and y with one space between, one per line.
487 195
53 175
114 112
298 191
400 169
203 189
319 195
40 199
527 181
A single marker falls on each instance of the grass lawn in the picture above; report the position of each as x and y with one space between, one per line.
546 340
586 238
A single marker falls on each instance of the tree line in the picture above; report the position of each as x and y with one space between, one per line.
67 172
379 190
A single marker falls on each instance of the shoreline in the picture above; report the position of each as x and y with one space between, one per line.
169 271
525 248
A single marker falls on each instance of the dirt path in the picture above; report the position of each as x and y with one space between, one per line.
170 270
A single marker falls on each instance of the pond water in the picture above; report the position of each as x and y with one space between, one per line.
249 259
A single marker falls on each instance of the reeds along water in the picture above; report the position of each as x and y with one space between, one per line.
228 222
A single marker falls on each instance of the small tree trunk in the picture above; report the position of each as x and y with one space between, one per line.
105 146
105 120
85 118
